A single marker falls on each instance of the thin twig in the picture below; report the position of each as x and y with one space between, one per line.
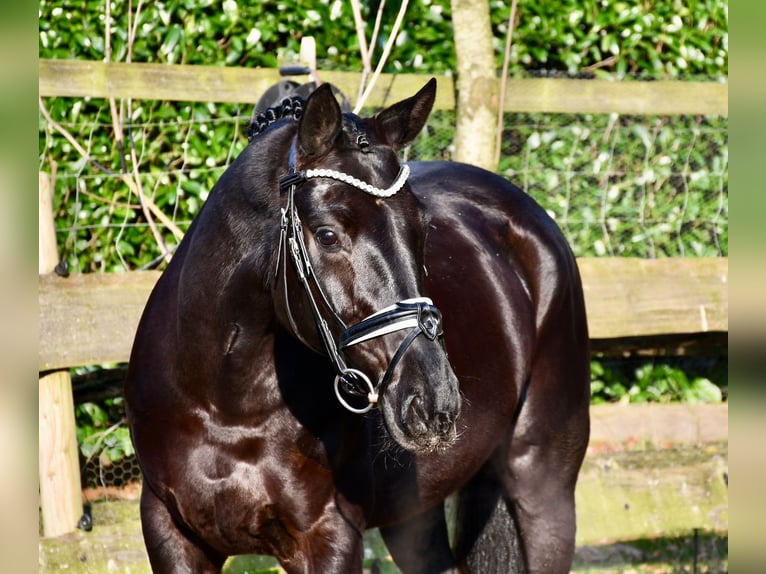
504 82
386 51
70 138
359 24
117 204
102 437
132 28
108 58
145 201
118 135
610 61
116 118
108 33
376 28
136 179
371 48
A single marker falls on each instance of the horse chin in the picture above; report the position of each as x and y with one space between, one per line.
414 429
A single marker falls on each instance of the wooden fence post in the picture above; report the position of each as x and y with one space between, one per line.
60 488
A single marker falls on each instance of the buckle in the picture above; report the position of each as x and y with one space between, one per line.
291 179
429 321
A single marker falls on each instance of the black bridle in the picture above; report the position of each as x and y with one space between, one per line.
418 314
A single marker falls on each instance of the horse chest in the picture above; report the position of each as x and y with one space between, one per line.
254 494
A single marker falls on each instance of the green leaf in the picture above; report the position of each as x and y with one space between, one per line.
92 413
705 391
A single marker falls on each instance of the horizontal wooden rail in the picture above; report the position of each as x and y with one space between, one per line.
672 97
82 78
91 319
628 297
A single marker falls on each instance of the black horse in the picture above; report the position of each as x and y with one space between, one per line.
341 342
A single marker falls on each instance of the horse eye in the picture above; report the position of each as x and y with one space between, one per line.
327 237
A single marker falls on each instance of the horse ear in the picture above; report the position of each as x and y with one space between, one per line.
320 123
400 123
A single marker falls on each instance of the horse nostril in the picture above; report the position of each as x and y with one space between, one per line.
443 423
418 407
422 421
415 416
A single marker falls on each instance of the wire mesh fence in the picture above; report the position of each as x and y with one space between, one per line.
643 186
101 473
638 186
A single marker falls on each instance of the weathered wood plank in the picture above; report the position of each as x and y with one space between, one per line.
80 78
639 297
91 319
553 95
58 455
659 424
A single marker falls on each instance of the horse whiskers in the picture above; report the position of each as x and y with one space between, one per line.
387 448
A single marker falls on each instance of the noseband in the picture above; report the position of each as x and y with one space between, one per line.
418 314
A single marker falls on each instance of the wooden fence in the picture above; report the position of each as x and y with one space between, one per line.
91 319
80 79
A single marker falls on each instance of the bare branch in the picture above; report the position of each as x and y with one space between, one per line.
356 9
376 28
386 51
504 80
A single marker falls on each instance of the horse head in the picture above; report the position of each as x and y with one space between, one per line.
348 271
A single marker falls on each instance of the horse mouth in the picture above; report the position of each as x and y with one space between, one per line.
419 427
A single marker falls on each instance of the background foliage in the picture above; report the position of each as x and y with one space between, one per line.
633 38
638 186
691 380
617 185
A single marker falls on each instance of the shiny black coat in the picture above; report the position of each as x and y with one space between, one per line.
245 448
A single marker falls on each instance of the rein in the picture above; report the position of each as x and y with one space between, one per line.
418 314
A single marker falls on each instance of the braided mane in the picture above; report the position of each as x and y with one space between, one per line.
290 107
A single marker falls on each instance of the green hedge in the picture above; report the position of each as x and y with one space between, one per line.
638 38
646 38
647 187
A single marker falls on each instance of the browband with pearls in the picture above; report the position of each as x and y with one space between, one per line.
294 177
399 182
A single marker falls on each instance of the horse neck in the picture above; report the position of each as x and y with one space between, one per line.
233 344
235 237
223 268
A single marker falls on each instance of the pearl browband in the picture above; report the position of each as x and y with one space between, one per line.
295 177
399 182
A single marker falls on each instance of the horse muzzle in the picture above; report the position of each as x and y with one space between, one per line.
418 393
419 315
421 406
